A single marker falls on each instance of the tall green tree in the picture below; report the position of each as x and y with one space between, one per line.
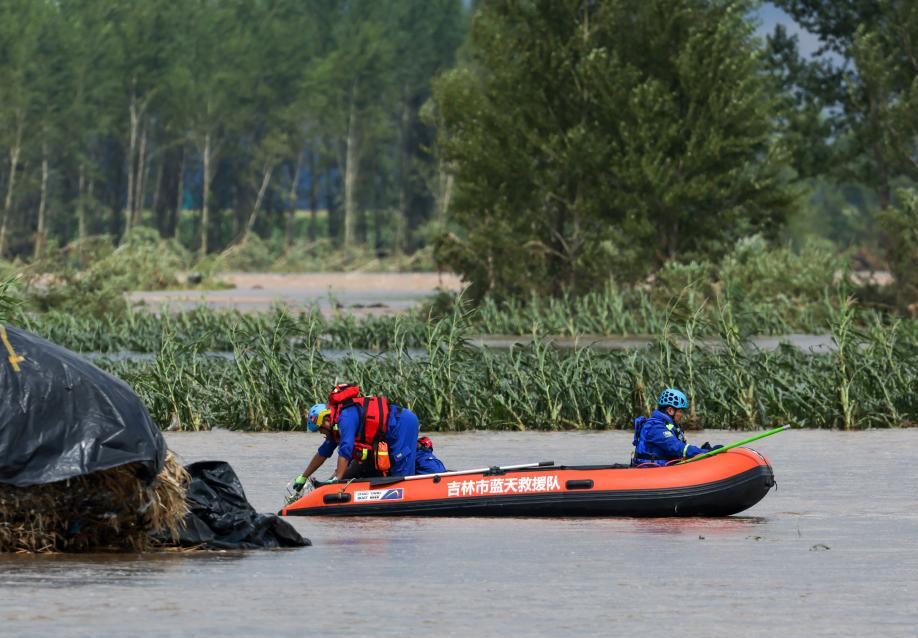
112 108
21 25
352 85
586 137
865 84
208 82
427 34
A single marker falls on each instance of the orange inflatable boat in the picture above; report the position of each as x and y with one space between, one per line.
717 486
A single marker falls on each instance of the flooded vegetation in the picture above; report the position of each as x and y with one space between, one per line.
277 371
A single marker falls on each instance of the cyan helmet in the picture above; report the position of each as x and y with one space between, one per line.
312 421
673 397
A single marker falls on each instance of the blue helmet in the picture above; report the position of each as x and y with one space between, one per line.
312 421
674 398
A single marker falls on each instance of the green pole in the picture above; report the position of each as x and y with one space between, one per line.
761 435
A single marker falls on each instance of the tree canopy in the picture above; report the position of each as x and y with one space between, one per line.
539 146
588 138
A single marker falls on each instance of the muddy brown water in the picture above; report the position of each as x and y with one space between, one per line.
832 552
362 293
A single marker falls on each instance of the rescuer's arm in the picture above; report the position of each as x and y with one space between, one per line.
341 467
665 440
348 422
314 465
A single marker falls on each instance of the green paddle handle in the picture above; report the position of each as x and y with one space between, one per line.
761 435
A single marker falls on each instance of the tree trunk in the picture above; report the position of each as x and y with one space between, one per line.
180 195
332 188
313 198
81 204
351 169
445 193
10 187
266 178
291 201
377 231
205 196
42 205
132 145
90 197
157 187
884 192
404 161
140 181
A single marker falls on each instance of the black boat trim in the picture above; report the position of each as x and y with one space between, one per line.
717 498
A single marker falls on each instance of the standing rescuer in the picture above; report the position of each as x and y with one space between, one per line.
658 439
373 436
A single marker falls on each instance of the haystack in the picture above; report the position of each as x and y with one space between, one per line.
108 510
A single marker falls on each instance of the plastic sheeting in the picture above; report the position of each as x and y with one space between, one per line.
62 417
222 518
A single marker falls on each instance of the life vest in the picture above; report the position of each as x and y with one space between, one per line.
638 459
370 440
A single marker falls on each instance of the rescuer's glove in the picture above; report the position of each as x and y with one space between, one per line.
298 483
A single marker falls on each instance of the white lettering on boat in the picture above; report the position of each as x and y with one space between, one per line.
395 494
513 485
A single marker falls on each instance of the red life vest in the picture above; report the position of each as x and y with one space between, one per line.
370 440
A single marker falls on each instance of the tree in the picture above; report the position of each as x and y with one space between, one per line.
428 35
589 135
21 23
866 88
352 88
111 108
207 84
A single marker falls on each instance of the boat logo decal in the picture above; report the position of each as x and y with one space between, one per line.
395 494
513 485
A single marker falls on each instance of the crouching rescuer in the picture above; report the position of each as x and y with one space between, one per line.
373 436
658 439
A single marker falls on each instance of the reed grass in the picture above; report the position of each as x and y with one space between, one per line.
213 330
867 381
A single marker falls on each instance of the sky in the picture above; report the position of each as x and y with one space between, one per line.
769 15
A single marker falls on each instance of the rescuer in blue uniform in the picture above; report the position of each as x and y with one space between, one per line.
401 437
658 439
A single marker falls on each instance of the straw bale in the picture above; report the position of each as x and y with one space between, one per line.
109 510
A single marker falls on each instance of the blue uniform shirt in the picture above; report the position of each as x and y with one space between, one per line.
401 435
658 439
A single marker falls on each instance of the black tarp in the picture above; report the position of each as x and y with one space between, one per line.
221 517
62 417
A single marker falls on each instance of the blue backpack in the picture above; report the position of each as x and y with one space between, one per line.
425 461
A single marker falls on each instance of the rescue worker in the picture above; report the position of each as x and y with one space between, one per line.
373 436
658 439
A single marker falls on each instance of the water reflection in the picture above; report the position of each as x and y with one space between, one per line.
691 526
87 570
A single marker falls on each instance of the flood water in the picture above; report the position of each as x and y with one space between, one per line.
832 552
